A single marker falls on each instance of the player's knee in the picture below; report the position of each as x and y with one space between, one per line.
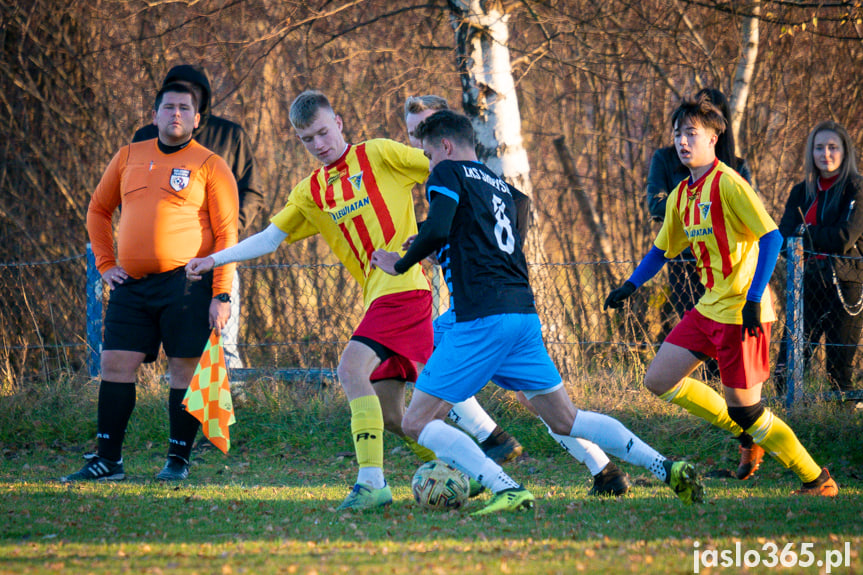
344 371
655 384
351 378
118 367
393 423
559 422
746 417
558 427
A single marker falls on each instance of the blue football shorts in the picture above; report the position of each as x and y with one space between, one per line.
442 325
506 348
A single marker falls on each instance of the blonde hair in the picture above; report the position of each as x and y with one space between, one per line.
305 107
417 104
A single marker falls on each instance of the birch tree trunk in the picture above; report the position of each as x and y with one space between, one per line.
489 100
749 35
489 96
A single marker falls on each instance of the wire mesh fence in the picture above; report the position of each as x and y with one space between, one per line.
300 316
42 319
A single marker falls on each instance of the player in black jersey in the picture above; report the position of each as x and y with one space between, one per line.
497 335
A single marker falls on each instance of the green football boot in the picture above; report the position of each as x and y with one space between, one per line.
364 497
512 499
683 479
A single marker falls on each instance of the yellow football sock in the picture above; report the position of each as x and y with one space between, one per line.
699 399
367 426
779 440
424 453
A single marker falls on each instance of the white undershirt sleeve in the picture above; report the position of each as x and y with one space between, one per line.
255 246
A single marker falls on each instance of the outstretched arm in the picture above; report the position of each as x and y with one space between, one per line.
647 268
260 244
432 235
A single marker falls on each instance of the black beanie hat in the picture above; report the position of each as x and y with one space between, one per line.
195 75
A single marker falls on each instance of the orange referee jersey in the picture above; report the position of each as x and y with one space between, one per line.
360 203
174 207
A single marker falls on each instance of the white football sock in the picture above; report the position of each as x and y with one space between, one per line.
473 419
583 451
454 447
372 476
612 436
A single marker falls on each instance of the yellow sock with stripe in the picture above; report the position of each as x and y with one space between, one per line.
779 440
367 426
699 399
424 453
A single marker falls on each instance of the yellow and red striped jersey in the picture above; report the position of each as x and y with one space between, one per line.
721 218
360 203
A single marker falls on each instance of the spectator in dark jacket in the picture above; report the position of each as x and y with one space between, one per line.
825 210
229 140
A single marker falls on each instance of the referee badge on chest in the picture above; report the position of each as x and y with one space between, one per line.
179 179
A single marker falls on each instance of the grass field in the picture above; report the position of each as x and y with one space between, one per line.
268 507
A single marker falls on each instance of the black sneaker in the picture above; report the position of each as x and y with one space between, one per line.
97 469
501 446
176 469
610 482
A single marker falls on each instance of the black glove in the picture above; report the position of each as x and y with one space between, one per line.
751 319
616 297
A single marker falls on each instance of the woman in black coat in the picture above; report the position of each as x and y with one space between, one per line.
825 209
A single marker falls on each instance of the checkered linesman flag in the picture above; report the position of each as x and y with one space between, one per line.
208 398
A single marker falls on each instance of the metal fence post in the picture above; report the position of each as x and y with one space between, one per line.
94 314
794 319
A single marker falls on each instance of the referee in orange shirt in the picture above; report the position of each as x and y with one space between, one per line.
179 201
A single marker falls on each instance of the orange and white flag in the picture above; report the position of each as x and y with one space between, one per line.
208 398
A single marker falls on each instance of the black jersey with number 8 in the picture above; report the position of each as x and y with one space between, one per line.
485 261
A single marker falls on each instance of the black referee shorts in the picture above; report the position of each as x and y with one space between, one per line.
164 309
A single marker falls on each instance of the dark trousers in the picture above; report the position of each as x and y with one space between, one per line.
825 315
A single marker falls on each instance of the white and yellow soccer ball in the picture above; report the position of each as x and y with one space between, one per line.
440 487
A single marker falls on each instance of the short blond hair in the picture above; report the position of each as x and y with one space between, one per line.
417 104
305 107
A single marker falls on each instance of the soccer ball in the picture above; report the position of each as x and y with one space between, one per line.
438 486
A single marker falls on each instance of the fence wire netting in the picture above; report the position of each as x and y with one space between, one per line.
301 316
43 319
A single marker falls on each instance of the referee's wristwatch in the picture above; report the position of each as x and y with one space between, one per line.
223 297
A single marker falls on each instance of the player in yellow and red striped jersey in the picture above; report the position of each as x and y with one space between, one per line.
360 200
735 243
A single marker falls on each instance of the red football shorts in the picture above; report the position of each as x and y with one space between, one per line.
400 322
742 364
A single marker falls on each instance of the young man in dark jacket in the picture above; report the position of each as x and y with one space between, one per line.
229 140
